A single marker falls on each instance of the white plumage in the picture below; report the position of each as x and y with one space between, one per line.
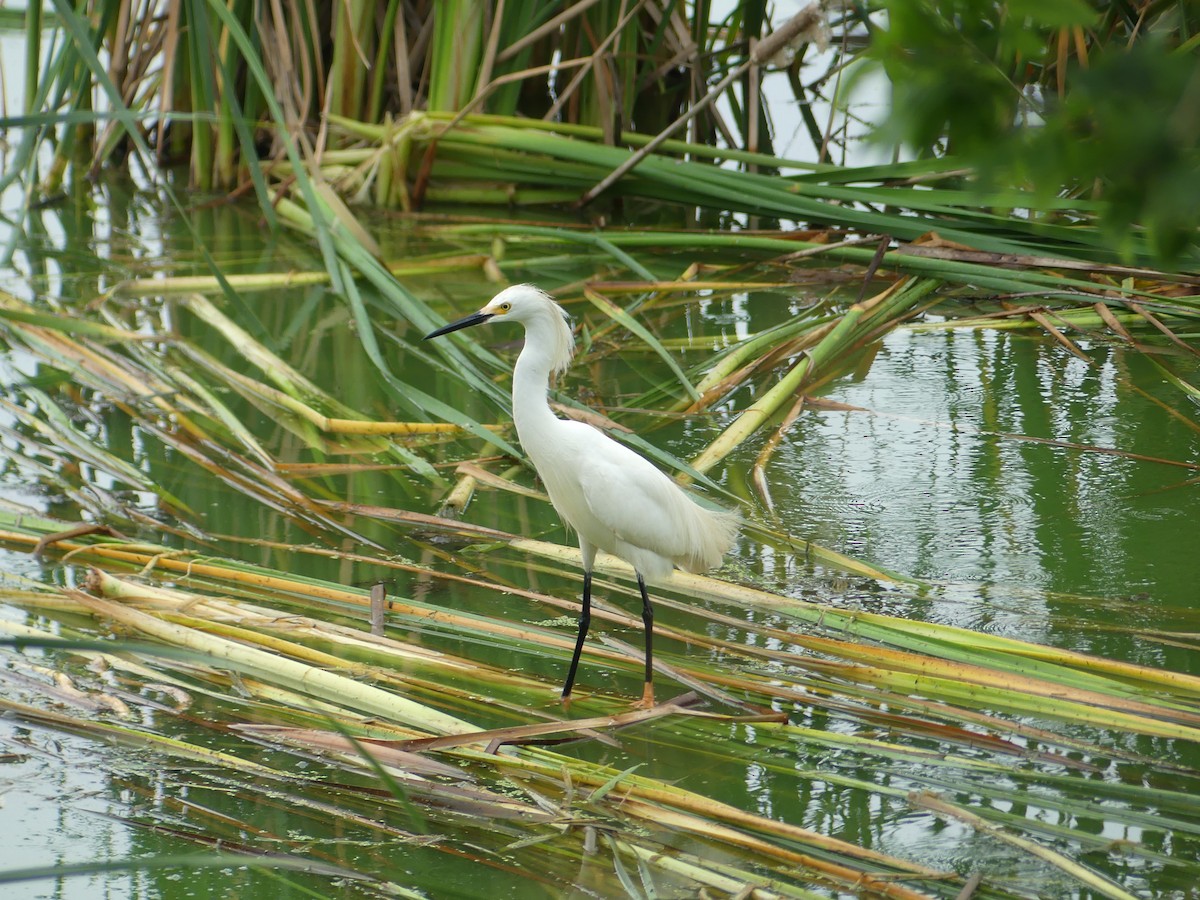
615 499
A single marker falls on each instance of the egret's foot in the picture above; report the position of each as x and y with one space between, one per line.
565 700
647 701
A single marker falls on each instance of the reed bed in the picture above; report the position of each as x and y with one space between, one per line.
290 663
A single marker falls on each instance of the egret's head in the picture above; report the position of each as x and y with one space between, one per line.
533 308
522 303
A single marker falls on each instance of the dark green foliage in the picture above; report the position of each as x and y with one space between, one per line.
1058 96
1130 127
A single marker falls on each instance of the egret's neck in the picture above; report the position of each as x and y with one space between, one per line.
531 381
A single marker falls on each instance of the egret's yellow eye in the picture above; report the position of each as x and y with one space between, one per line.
505 307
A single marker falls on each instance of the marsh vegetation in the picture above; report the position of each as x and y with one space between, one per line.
952 390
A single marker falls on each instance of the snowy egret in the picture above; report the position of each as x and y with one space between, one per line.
616 500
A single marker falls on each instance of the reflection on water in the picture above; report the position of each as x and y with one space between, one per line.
956 467
60 787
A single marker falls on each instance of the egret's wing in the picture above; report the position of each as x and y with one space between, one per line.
631 497
621 503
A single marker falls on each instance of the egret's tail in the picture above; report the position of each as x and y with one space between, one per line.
710 535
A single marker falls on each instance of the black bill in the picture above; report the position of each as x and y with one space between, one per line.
465 322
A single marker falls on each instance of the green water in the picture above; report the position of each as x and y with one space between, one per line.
974 461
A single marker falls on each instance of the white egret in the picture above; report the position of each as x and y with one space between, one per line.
616 500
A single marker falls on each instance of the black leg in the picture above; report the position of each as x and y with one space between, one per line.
585 619
648 622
